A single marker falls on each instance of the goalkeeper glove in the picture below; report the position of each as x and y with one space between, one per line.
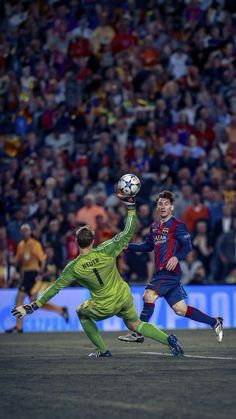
129 201
21 311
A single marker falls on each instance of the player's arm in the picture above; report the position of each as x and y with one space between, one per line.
183 237
114 246
146 246
185 246
65 279
19 254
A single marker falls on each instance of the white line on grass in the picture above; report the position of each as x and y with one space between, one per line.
191 356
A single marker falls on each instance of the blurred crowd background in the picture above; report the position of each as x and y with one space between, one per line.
92 90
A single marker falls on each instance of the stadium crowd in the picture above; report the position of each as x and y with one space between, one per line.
92 90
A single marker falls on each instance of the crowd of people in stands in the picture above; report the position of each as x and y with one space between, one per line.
92 90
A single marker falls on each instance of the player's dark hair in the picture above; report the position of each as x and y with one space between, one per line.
84 236
167 195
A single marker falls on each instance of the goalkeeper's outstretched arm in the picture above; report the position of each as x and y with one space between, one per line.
114 246
65 279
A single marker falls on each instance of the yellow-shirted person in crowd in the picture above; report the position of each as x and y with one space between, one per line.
32 261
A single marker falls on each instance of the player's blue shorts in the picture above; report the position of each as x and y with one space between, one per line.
167 284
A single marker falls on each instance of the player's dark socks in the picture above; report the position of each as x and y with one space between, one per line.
197 315
147 312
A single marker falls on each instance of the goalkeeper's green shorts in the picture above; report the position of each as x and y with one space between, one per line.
90 309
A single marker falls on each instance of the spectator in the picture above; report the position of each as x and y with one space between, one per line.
6 243
59 142
140 161
144 217
9 277
193 271
139 265
178 63
201 243
69 228
183 200
173 148
224 224
193 213
13 228
53 237
226 250
89 211
229 190
103 35
124 39
102 231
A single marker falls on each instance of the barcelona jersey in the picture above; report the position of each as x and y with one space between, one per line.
166 239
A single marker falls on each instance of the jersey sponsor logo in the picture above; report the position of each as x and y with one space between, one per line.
160 239
90 263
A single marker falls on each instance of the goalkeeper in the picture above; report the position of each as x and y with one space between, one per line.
95 269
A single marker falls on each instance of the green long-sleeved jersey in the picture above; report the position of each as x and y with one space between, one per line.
97 271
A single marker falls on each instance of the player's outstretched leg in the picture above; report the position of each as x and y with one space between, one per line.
193 313
94 336
150 331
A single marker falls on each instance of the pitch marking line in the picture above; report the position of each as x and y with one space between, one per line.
191 356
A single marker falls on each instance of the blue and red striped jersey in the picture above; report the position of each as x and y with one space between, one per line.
167 239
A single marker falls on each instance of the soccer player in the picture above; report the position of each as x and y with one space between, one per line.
95 269
171 243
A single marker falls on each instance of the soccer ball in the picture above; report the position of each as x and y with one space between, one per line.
129 185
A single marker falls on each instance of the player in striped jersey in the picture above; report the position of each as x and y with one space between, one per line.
170 241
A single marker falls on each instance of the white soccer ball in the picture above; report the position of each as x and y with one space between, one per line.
129 185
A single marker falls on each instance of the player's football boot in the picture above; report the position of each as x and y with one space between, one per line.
218 329
132 337
100 354
65 314
175 346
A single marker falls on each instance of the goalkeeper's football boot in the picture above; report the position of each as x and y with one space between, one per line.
174 346
133 337
100 354
218 329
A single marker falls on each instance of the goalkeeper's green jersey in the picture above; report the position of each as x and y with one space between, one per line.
97 271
